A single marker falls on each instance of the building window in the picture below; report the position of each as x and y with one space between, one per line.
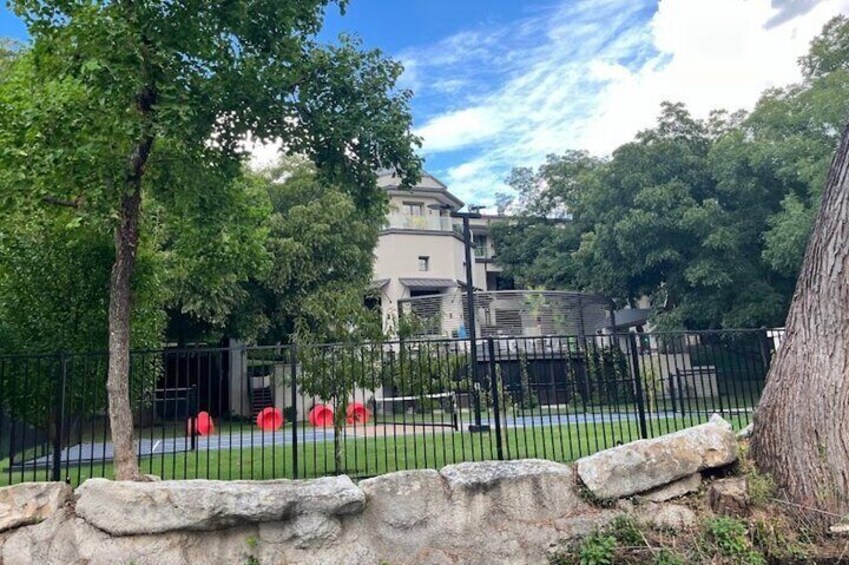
480 246
424 264
414 208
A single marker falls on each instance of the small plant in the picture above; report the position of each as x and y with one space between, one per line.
729 537
652 386
624 528
759 486
774 537
529 399
598 549
668 557
252 542
589 497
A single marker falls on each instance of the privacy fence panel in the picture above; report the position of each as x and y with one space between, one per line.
369 408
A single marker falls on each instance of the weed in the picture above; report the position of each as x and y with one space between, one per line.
598 549
773 537
587 495
252 542
760 486
626 531
668 557
730 538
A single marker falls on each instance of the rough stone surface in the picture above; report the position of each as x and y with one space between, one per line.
679 488
729 497
424 495
746 432
513 510
485 512
646 464
133 508
671 516
29 503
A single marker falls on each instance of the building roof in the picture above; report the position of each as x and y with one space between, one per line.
425 283
427 184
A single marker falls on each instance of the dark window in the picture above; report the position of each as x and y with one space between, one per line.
424 264
480 246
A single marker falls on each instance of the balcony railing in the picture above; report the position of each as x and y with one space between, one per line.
424 223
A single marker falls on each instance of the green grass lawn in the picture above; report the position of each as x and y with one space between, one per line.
374 451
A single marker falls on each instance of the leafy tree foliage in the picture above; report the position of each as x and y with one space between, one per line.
132 112
708 218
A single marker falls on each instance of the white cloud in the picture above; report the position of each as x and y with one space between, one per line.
590 74
460 128
713 61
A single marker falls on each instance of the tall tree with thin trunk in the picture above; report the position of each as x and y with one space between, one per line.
801 432
134 94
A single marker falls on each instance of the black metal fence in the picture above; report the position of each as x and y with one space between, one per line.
366 409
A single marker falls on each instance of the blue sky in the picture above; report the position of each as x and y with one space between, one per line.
503 83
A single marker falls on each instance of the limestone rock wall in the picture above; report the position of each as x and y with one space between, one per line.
495 512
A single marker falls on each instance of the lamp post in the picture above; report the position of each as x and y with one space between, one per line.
473 212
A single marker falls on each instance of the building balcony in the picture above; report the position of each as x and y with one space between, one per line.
419 223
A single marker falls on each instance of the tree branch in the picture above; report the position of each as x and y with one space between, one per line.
75 203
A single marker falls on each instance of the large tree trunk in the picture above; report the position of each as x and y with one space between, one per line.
120 313
121 309
801 432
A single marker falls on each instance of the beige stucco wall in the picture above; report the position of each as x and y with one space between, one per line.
397 256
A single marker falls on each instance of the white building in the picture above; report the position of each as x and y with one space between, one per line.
420 251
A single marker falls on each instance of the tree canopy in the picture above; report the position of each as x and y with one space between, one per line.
135 115
709 218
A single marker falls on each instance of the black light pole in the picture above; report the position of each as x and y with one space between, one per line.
478 426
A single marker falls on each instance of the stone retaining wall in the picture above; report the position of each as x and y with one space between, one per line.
495 512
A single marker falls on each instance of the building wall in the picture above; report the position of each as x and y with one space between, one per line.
433 234
397 256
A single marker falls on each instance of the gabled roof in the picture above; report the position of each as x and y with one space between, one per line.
388 180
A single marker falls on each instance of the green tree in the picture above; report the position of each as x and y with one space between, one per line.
708 218
319 242
119 95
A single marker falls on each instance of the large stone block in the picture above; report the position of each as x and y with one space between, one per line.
133 508
646 464
492 492
29 503
675 489
406 500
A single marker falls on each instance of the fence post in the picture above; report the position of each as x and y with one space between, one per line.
293 374
638 385
192 404
496 400
59 411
